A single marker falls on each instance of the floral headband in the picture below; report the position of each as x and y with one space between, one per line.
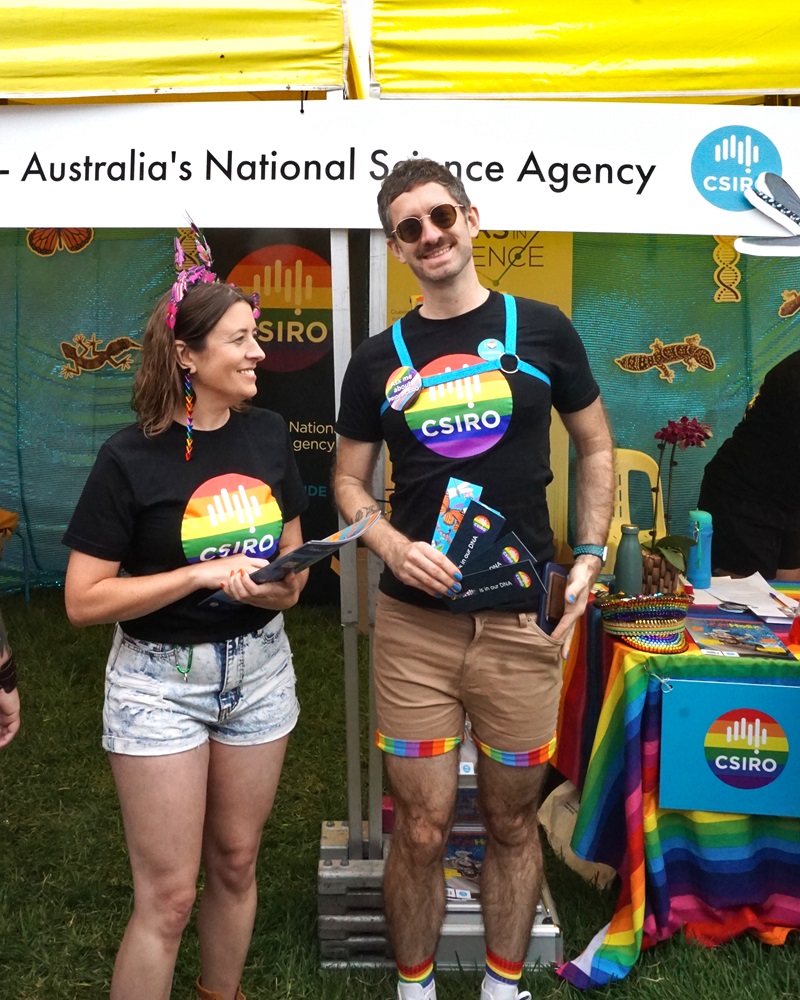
188 276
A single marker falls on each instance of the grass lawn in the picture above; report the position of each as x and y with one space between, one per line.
64 880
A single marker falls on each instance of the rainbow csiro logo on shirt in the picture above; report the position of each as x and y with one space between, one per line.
230 514
746 748
464 416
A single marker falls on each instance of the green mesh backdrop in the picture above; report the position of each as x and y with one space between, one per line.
629 290
72 317
53 414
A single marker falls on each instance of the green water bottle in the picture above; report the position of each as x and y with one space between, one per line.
628 566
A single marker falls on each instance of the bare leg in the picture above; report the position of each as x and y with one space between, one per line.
242 782
163 802
424 792
511 877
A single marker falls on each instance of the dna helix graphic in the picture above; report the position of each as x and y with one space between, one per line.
727 276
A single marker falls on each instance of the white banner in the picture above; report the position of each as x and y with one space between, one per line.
557 167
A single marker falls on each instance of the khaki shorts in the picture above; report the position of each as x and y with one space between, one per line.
431 667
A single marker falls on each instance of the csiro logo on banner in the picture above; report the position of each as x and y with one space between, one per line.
728 160
746 748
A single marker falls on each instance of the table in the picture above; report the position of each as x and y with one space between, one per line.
714 875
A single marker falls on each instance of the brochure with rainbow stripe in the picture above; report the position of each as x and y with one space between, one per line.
494 586
479 528
299 559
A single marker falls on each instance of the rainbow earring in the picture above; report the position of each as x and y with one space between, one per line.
189 396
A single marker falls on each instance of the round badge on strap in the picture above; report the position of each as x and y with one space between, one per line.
403 387
491 349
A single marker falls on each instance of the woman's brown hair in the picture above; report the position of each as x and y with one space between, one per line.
158 391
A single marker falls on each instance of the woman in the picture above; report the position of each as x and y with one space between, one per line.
199 701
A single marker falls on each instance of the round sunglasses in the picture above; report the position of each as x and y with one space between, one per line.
442 216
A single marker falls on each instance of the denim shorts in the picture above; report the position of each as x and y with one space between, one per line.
239 691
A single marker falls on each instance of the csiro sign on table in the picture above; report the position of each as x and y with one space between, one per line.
728 746
728 160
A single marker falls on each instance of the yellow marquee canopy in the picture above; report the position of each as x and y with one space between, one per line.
85 48
585 48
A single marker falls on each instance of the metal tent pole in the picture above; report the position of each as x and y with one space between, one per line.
348 580
377 322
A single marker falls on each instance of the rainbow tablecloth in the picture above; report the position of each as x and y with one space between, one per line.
716 875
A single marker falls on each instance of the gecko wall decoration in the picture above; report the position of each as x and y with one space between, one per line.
687 352
86 355
790 304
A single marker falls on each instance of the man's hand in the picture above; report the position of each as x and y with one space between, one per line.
576 597
420 565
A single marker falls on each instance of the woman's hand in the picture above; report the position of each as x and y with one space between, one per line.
277 595
94 592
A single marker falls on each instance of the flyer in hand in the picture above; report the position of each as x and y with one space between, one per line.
300 558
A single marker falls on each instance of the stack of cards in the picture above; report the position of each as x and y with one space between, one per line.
495 565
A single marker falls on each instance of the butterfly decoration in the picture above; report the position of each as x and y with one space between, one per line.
450 517
45 242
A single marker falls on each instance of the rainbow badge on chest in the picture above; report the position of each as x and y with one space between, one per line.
462 415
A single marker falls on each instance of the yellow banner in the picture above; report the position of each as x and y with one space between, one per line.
584 48
119 47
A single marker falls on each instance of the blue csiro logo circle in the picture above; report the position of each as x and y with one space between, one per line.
728 160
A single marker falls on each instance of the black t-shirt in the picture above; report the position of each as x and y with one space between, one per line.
761 457
147 508
491 429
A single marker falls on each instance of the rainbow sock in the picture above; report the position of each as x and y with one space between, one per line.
501 970
418 975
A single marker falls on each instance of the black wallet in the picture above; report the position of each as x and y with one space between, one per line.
551 606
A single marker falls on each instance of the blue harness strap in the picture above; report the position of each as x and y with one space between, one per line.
509 351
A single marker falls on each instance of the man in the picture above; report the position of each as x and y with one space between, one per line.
749 486
430 665
9 695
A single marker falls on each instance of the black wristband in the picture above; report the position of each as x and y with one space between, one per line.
8 675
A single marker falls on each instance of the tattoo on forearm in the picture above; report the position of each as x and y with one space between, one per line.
365 512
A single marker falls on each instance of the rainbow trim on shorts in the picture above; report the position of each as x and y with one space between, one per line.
415 748
502 970
527 758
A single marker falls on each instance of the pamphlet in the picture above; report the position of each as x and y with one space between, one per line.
299 559
479 527
455 501
507 550
736 637
494 586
